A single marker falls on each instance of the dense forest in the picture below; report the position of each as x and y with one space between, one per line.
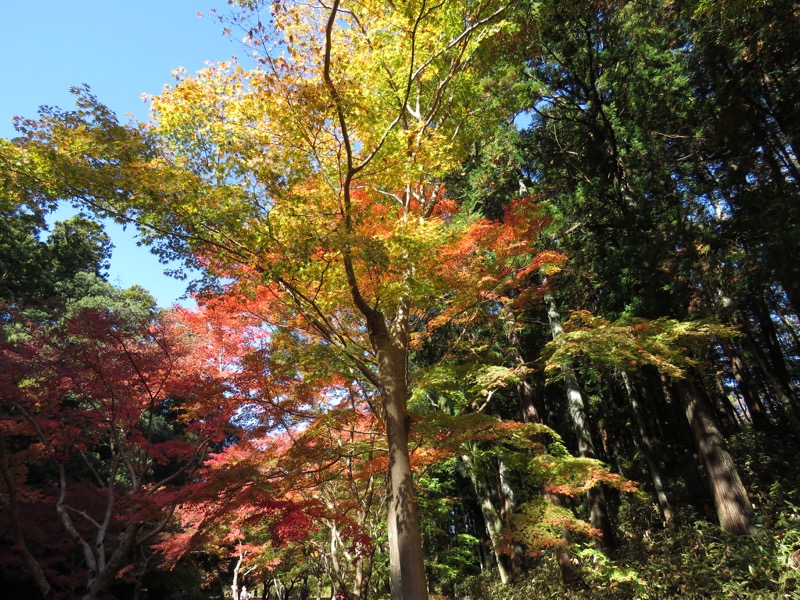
495 300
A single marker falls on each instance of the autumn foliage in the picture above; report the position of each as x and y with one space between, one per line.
115 415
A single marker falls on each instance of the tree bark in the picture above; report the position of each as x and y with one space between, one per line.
570 576
734 510
779 372
742 376
235 582
648 447
505 494
407 567
577 413
784 394
491 516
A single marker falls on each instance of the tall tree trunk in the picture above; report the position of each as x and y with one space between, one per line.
648 447
726 416
507 506
776 354
778 387
742 376
577 413
406 564
734 510
791 331
491 516
525 392
570 575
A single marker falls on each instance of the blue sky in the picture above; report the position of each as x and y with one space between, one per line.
122 49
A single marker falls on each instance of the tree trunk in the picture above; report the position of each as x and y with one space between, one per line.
235 582
361 578
577 413
569 573
406 564
742 376
734 510
507 506
728 419
648 447
106 577
783 393
780 373
491 516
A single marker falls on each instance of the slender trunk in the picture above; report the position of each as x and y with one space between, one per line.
770 335
235 582
783 393
507 505
734 510
790 282
491 516
648 447
569 573
727 417
577 413
361 579
787 326
121 554
749 395
775 352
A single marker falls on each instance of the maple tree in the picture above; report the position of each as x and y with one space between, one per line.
117 410
304 473
272 497
316 180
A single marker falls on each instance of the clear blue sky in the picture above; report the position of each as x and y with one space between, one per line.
122 49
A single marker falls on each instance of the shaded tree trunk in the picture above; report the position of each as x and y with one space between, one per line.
726 416
525 392
734 510
748 393
648 450
776 357
492 518
577 414
778 387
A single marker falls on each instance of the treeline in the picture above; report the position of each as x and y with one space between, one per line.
498 301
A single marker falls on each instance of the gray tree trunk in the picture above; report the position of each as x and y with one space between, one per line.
407 567
577 412
491 516
569 572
